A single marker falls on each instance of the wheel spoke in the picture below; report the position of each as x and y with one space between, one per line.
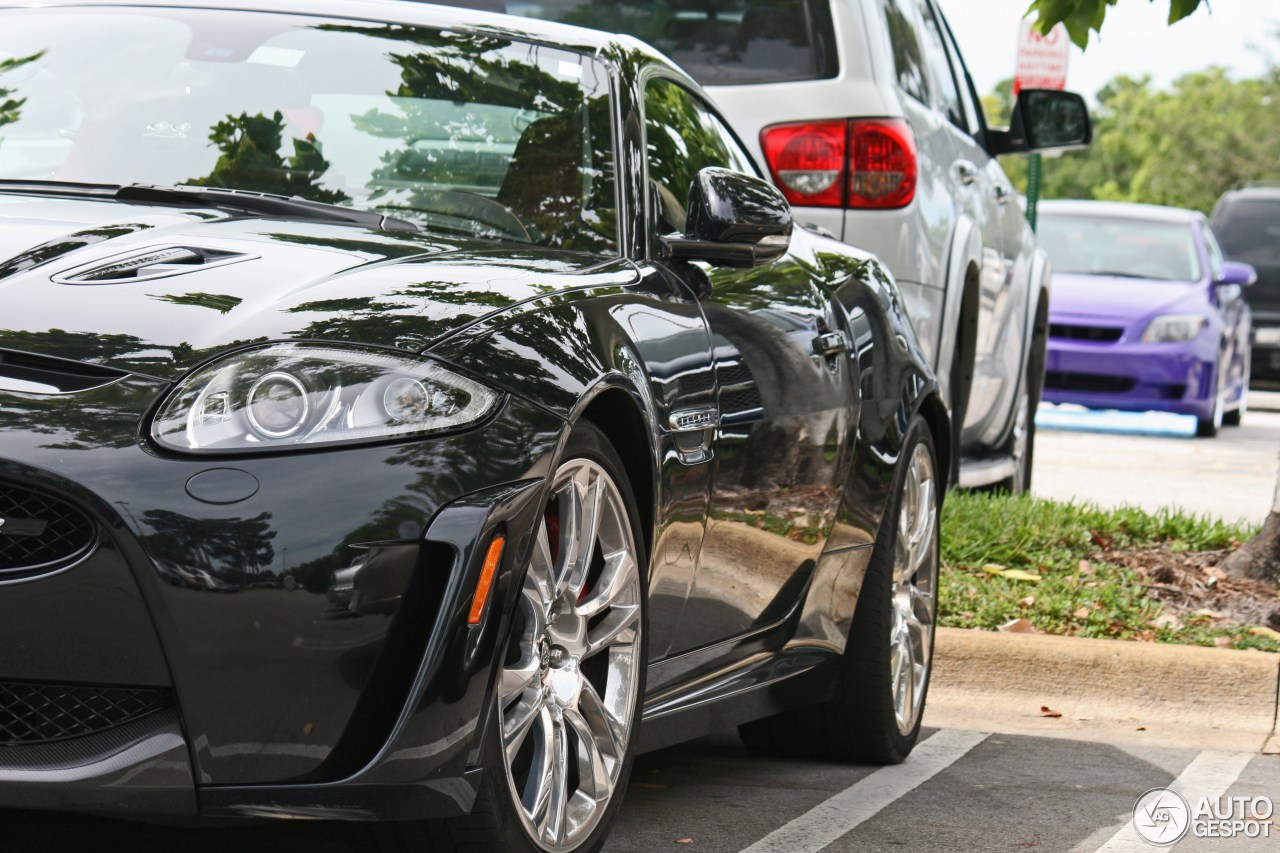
606 728
518 721
616 627
554 798
618 578
541 572
593 772
588 492
514 679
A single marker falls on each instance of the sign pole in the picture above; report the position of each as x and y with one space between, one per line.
1033 188
1041 64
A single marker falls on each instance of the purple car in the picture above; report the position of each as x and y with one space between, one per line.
1145 314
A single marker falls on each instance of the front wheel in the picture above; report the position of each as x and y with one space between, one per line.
874 715
566 699
1208 427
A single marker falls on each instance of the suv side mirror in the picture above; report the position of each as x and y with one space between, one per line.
734 220
1044 120
1235 272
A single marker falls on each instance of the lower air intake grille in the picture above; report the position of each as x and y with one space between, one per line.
1085 333
39 533
1087 382
38 713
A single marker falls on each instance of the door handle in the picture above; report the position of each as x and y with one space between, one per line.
1003 193
830 344
964 172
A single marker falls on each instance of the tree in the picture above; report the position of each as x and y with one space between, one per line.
1259 558
1182 147
1081 17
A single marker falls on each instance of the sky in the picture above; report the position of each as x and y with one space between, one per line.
1136 39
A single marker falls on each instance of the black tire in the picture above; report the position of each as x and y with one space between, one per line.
494 824
1208 427
1021 446
859 723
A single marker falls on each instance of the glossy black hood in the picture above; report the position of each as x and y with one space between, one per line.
268 279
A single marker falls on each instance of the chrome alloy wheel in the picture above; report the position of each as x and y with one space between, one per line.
567 695
915 589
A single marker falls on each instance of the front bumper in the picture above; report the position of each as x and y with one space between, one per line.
1266 350
305 613
1174 377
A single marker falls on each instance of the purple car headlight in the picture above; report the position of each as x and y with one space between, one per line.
297 396
1172 328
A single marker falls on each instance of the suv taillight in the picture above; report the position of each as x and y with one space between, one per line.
858 163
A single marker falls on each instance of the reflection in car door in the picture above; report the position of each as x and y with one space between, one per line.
781 367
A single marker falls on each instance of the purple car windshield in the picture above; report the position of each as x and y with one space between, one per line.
1115 246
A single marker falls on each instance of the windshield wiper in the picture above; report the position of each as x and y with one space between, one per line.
270 204
220 198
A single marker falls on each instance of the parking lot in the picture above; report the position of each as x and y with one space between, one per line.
961 790
1150 461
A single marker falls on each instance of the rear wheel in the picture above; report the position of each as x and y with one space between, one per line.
562 734
874 716
1021 446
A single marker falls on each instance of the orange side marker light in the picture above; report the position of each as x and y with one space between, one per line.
485 582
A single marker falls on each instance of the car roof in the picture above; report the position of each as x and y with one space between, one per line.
411 12
1121 210
1269 193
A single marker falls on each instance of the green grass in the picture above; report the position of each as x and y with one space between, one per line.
1049 540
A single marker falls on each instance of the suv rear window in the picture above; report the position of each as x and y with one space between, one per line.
718 42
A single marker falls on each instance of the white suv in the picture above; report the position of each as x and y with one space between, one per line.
866 118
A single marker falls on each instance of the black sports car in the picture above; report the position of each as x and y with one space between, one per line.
410 412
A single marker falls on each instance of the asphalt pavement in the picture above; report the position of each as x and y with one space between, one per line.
962 790
1152 461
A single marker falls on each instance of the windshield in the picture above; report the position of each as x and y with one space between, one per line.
470 133
1100 245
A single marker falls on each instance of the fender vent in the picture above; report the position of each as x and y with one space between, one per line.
39 534
151 263
38 713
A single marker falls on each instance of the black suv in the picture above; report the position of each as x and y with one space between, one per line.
1247 222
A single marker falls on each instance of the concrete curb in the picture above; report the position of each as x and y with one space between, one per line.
1185 695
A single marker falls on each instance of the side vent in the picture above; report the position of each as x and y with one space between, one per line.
151 263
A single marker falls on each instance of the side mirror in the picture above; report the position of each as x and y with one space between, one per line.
1235 272
733 220
1044 120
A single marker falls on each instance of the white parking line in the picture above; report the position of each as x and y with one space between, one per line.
1209 774
832 818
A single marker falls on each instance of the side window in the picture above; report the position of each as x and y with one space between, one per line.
941 75
1215 252
683 137
975 122
903 20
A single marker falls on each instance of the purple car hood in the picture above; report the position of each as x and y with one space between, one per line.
1115 297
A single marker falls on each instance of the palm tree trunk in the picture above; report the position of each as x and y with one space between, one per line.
1259 558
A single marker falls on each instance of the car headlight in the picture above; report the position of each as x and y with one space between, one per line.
1168 328
299 396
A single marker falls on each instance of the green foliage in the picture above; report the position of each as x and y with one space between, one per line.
1182 147
1081 17
10 105
984 533
249 147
